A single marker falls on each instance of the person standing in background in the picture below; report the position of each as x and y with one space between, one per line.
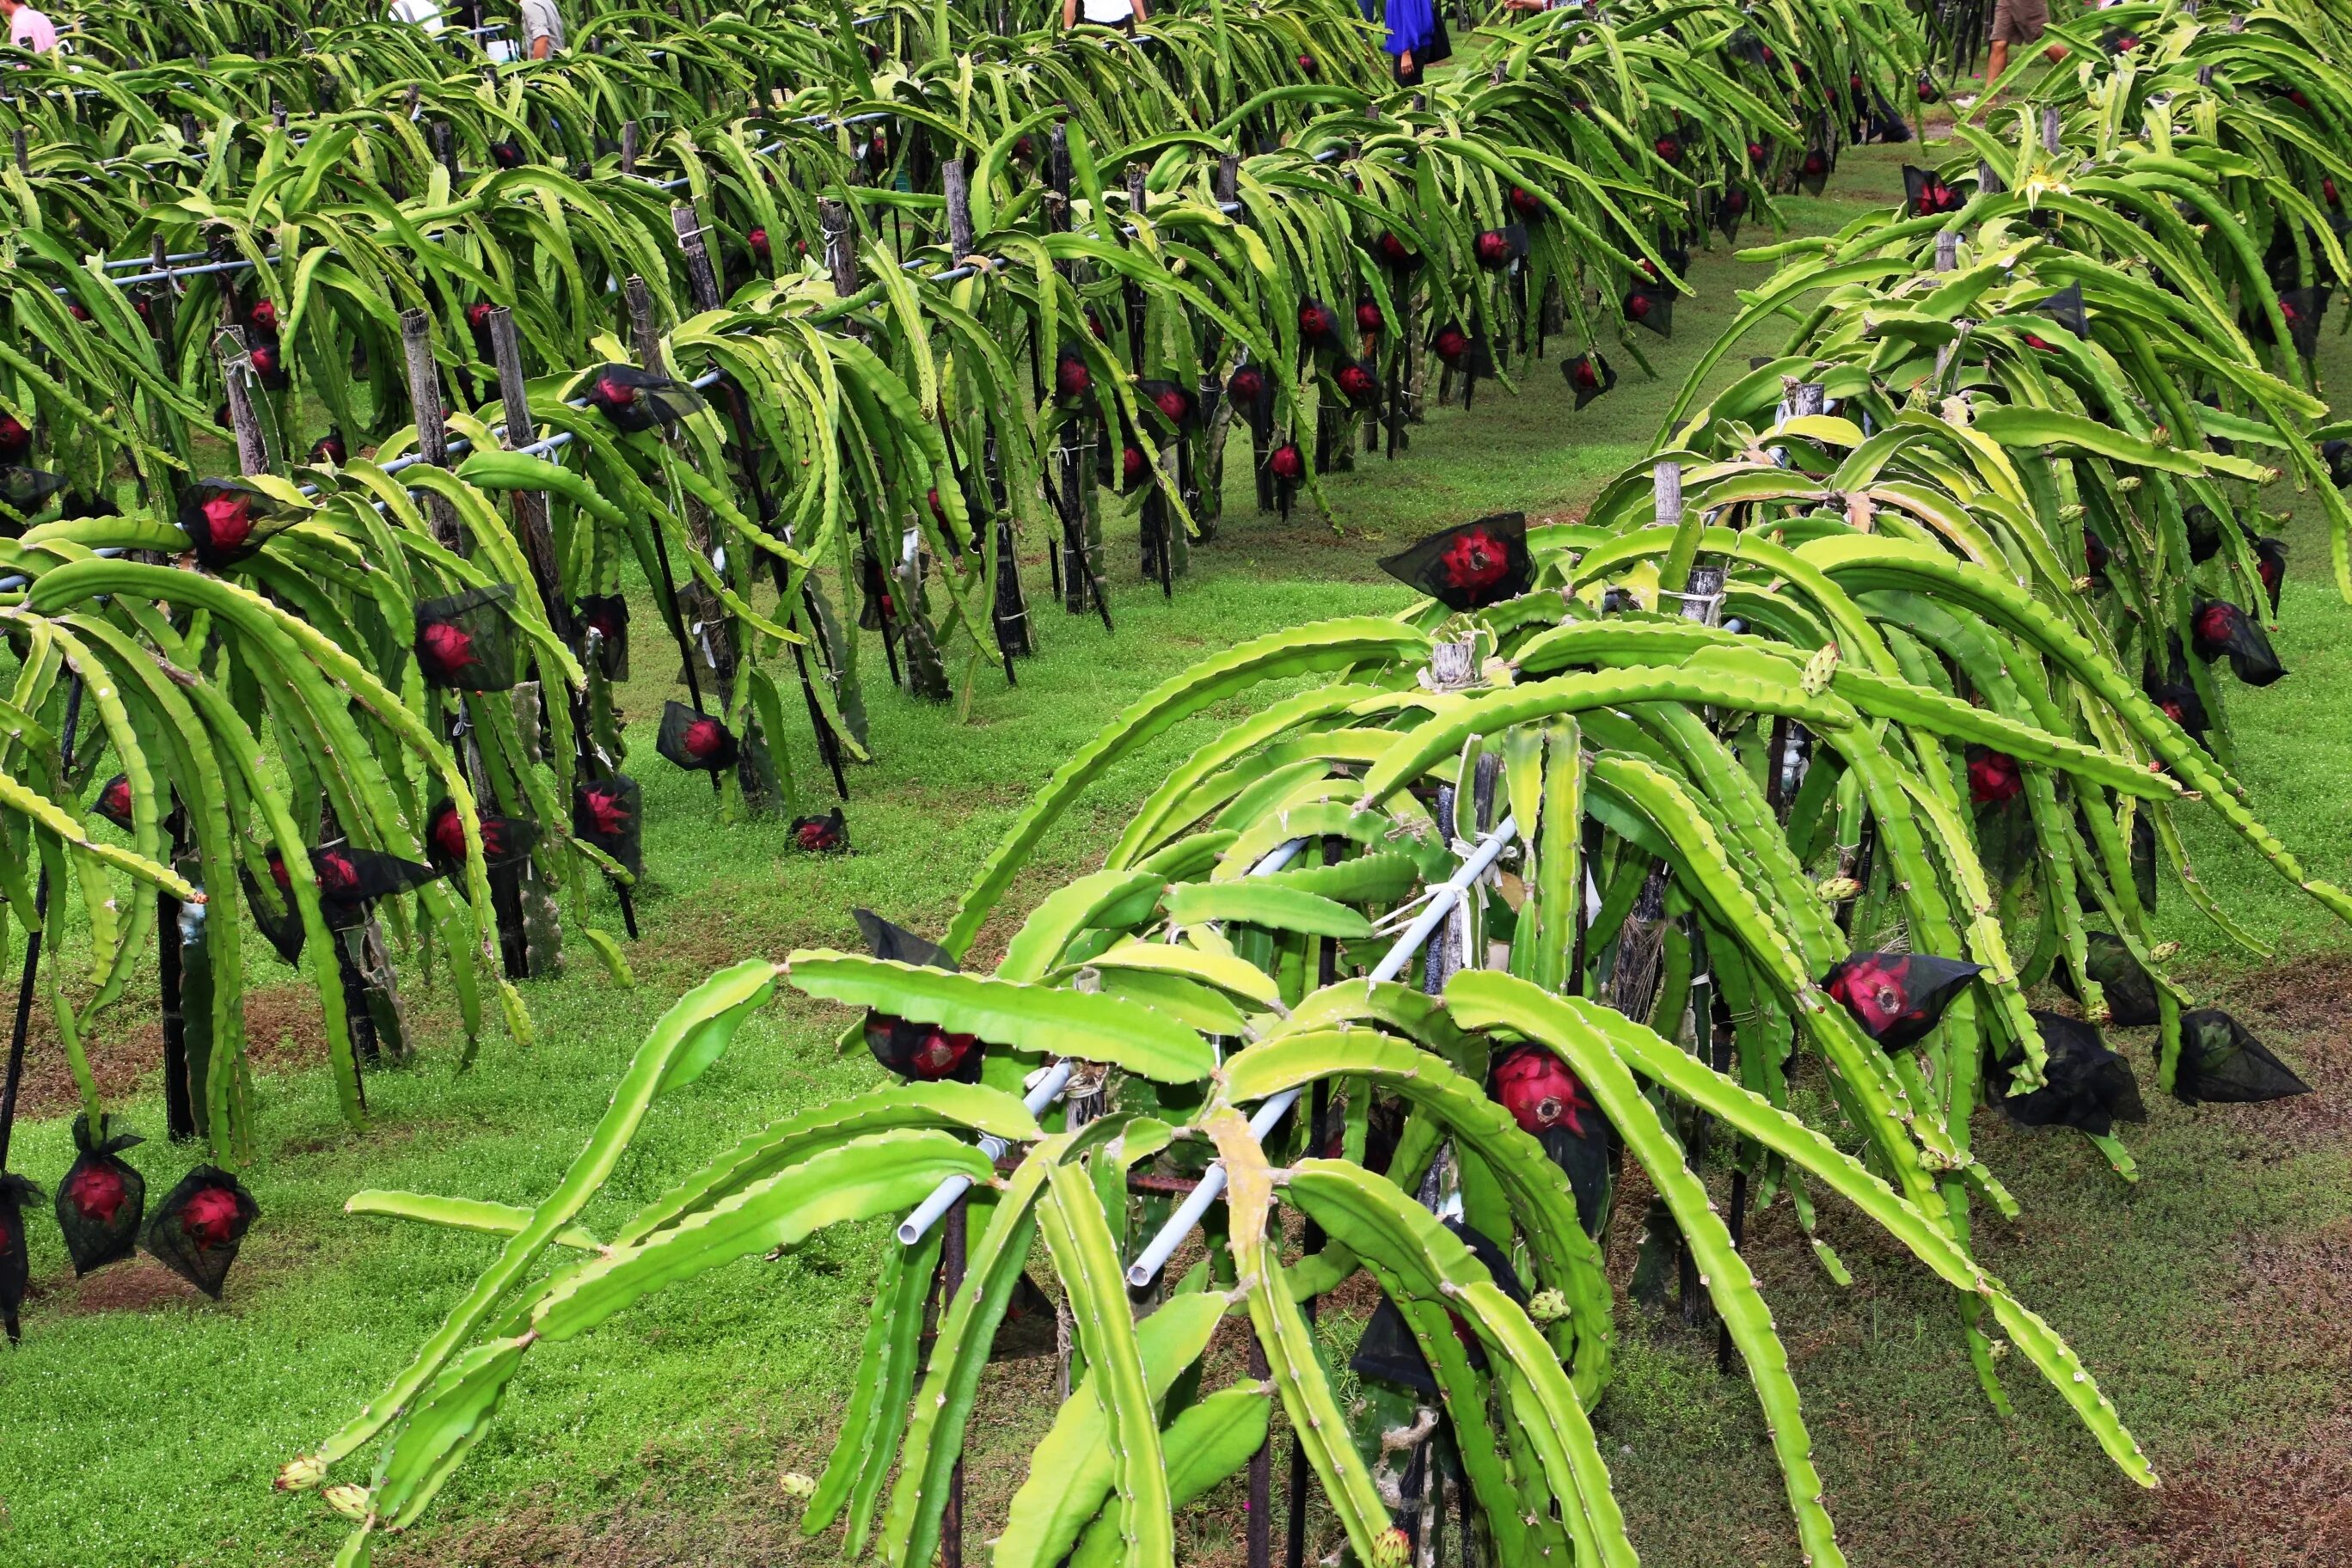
1416 40
28 28
1120 13
542 29
2017 22
424 14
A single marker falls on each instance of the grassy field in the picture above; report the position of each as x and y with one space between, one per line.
141 1424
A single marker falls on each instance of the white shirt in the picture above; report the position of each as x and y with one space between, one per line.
540 19
424 14
1105 13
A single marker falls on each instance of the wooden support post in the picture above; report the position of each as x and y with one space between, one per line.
432 433
24 154
953 1242
704 282
542 926
629 148
962 241
238 381
840 246
1948 251
2050 141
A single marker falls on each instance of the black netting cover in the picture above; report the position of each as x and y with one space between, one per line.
1731 211
1318 326
1395 252
2220 629
1388 1350
1026 1331
2066 308
1544 1097
2129 989
2302 309
101 1201
113 802
466 642
2204 530
826 835
1473 563
1814 172
1884 125
1994 777
1497 247
1587 375
694 741
16 1264
1897 997
2087 1085
609 814
636 400
1251 392
922 1051
274 912
506 840
2220 1060
198 1228
16 438
1460 351
1359 382
226 521
23 493
1924 193
2269 566
2337 455
896 944
1651 305
606 616
351 878
1177 403
1073 377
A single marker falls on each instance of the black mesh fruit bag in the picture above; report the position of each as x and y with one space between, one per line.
1388 1350
113 802
695 740
2129 989
506 840
1549 1102
23 493
2220 630
636 400
464 642
600 634
349 879
199 1226
2221 1060
1588 376
608 814
1470 564
2086 1085
826 835
1897 997
101 1201
907 1047
15 1262
226 520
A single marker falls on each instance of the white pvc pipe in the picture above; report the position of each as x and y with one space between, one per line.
943 1196
1195 1207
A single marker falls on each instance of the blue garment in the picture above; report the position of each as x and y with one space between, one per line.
1412 24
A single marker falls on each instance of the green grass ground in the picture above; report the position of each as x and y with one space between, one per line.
140 1424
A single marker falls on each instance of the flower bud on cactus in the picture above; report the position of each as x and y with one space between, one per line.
1547 1307
1838 890
1819 668
348 1500
797 1485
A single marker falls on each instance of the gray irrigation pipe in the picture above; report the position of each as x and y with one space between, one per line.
1195 1207
1057 1078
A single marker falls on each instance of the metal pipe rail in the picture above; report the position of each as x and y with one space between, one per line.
1193 1209
943 1196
